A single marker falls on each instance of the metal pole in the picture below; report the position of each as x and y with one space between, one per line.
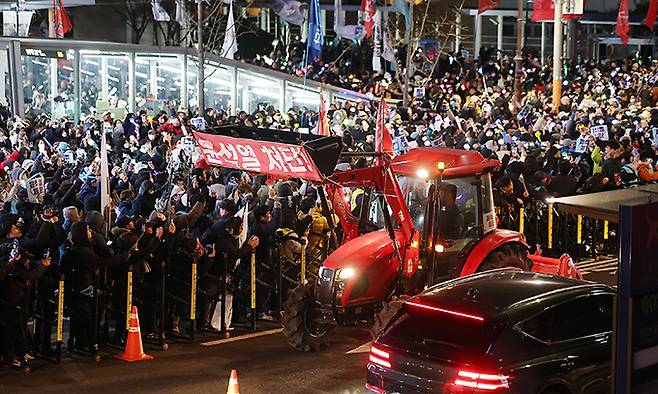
478 36
199 48
518 59
410 50
252 272
499 45
543 43
557 55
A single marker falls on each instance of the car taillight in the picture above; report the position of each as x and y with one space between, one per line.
448 311
380 357
481 381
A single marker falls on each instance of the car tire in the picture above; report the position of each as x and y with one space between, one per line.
506 256
294 319
386 313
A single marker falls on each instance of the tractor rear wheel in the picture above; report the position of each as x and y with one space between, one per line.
506 256
302 321
389 309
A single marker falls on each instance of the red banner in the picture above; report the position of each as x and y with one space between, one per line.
623 28
650 21
270 158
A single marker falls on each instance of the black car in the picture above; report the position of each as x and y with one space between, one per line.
499 331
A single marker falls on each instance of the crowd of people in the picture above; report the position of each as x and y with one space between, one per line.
170 209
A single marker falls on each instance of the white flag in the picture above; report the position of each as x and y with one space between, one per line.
349 32
181 13
105 172
388 53
244 214
159 13
230 40
377 38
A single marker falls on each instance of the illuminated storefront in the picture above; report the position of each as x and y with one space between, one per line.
80 78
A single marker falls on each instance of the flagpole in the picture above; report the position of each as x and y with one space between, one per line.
557 55
308 48
200 56
518 59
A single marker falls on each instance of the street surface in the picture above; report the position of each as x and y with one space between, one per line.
265 364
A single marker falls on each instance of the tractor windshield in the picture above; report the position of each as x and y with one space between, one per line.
459 216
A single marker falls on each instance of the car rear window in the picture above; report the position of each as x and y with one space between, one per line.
436 333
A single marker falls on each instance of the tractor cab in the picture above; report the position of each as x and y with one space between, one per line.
450 200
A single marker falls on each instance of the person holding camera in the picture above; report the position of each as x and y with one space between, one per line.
18 270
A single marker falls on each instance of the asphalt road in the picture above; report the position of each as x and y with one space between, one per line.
264 364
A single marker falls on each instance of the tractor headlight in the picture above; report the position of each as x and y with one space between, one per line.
345 273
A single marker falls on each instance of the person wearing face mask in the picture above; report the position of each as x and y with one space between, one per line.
645 169
16 270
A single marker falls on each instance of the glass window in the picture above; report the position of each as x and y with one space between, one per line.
158 83
297 96
5 89
429 332
256 91
192 81
574 319
104 83
218 86
48 83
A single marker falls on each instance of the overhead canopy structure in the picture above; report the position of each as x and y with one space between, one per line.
29 5
605 205
271 152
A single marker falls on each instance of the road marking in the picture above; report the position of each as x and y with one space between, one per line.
594 263
365 348
243 337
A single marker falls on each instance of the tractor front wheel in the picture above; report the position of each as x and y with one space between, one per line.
302 321
389 309
506 256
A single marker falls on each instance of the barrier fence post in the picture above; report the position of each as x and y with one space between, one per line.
222 318
60 318
579 236
550 226
163 305
193 299
521 220
253 290
303 263
605 230
129 296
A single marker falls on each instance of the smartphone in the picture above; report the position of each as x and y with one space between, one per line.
46 254
14 250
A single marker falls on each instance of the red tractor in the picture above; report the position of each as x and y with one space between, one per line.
432 207
435 207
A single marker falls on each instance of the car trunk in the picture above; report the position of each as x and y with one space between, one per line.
427 349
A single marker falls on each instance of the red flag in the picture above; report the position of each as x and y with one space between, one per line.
383 141
367 14
62 22
651 14
486 5
323 123
544 10
623 28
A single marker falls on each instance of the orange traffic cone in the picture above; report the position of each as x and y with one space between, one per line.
233 387
134 350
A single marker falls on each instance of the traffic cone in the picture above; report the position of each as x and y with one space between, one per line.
134 350
233 386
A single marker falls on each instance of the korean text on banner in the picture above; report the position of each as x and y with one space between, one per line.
270 158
